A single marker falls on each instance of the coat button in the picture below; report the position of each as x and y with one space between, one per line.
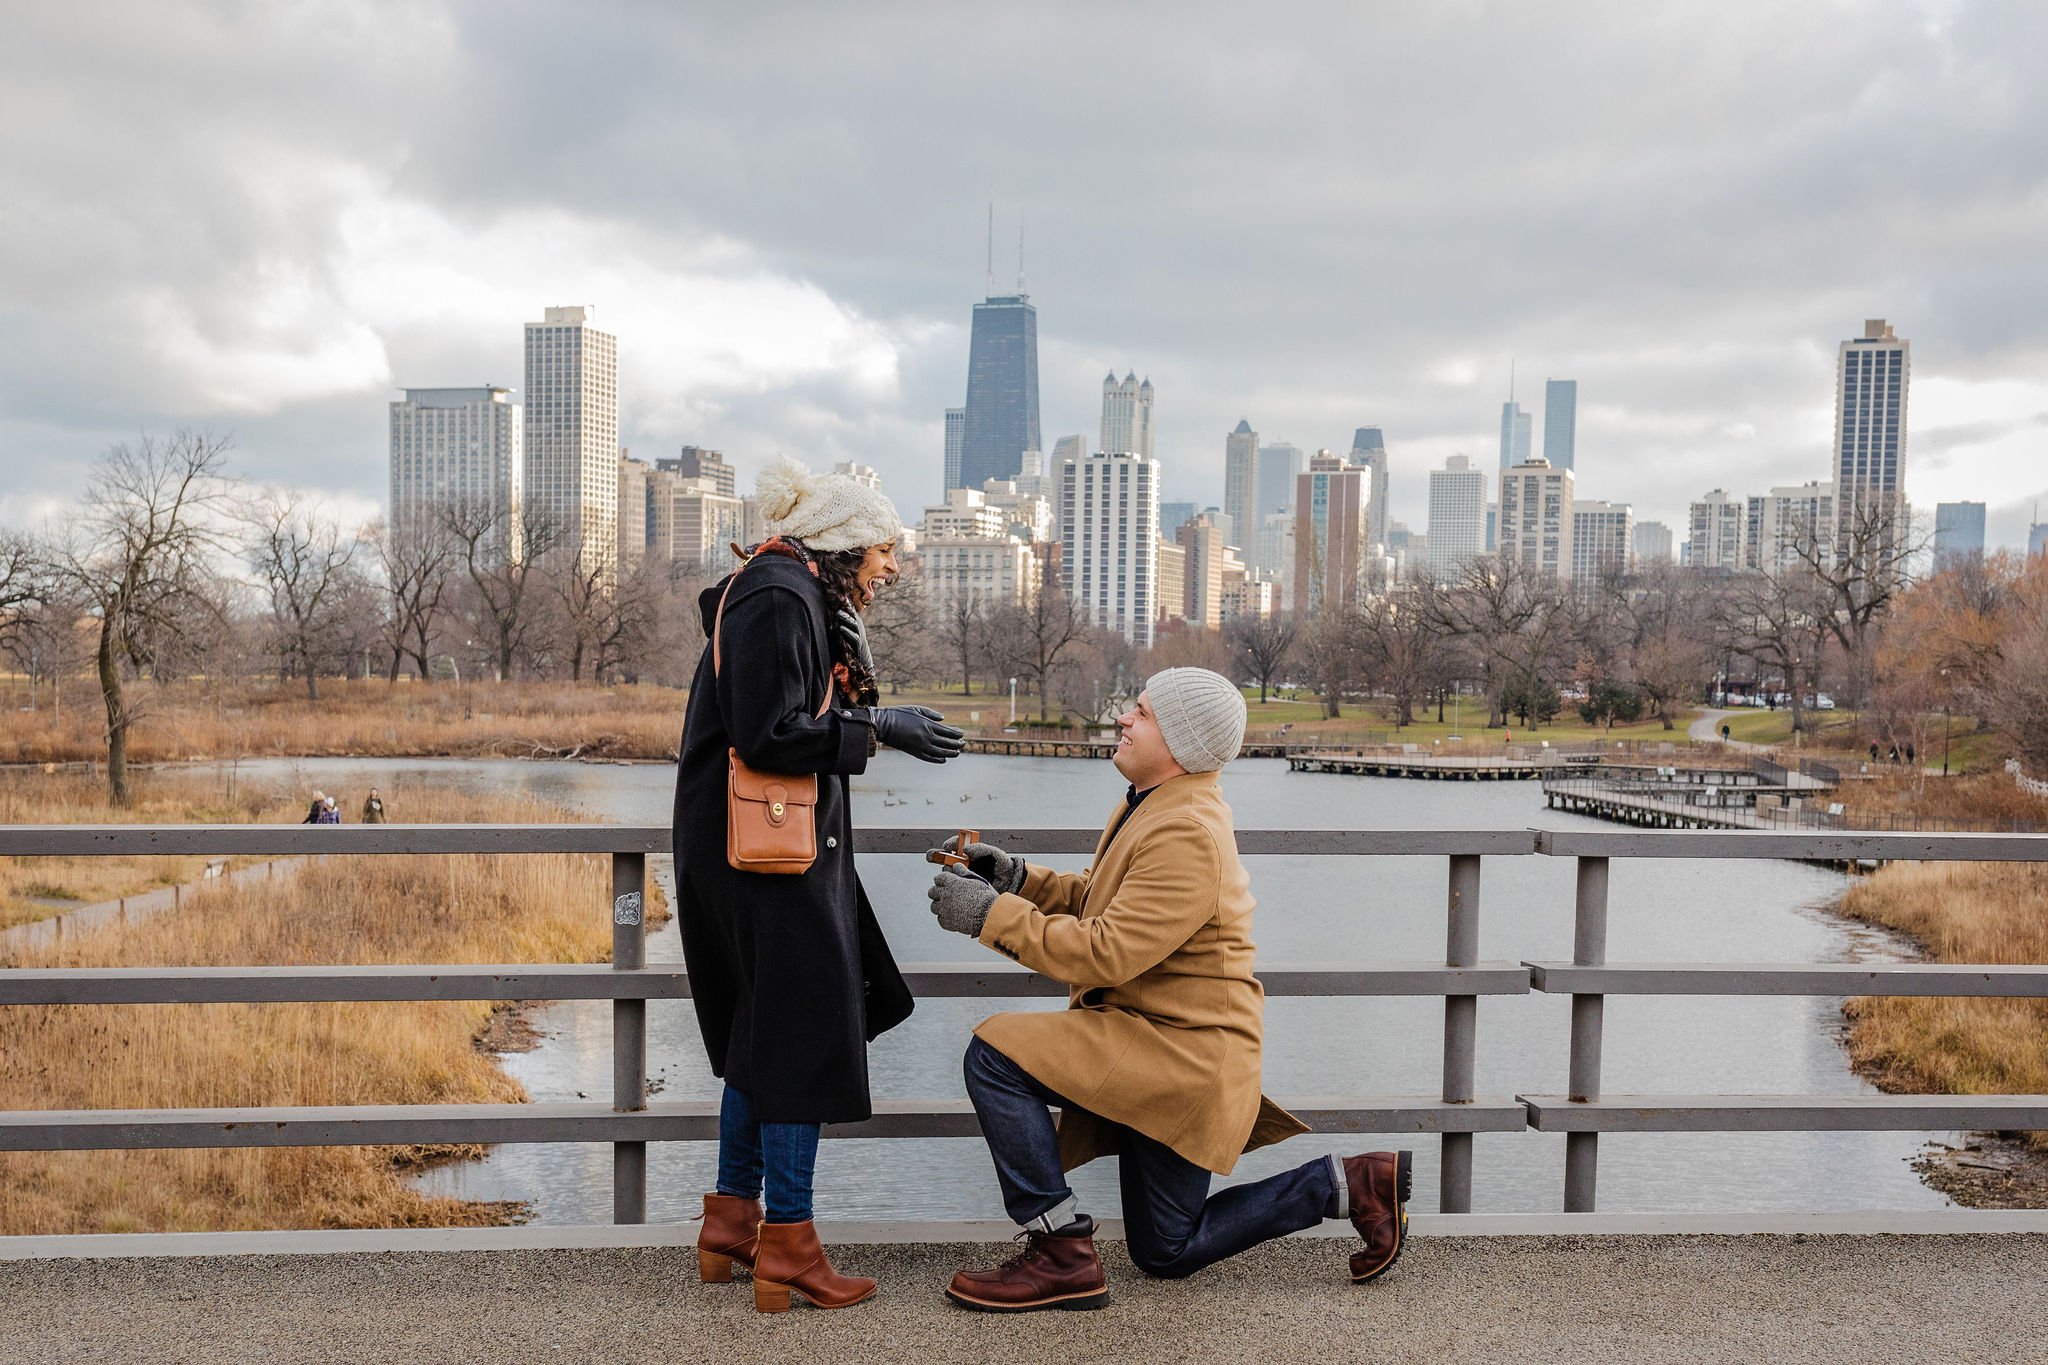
831 841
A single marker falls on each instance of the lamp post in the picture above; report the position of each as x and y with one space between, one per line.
1013 702
1945 704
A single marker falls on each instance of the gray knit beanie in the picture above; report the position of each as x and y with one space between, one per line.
1201 716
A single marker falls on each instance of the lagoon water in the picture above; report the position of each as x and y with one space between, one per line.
1311 910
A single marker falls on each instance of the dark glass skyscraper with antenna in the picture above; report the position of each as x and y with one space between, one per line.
1002 390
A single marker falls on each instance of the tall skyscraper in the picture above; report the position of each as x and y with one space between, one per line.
956 446
1174 515
572 430
1126 416
1369 450
1208 554
1279 465
1067 448
1719 532
1514 435
1601 532
689 522
1958 532
1651 544
1330 507
633 509
1000 421
1560 421
456 447
1785 521
1109 541
1536 517
1241 478
1457 517
1870 433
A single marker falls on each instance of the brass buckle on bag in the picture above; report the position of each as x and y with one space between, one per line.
775 809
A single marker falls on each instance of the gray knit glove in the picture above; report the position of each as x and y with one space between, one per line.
1001 870
960 901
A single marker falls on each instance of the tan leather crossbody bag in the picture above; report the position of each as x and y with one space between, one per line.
771 819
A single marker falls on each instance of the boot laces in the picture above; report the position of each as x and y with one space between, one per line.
1031 1238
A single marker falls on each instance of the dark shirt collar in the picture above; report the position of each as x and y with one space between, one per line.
1132 796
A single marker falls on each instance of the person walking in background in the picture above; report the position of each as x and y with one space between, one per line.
1156 1058
373 808
329 812
790 975
313 811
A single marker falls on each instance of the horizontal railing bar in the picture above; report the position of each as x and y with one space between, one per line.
1790 978
1799 845
30 1130
1784 1113
658 981
84 841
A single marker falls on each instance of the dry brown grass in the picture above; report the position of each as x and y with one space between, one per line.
30 796
1984 801
358 910
1958 912
359 718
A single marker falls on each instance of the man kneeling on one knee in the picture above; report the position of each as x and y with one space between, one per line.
1156 1057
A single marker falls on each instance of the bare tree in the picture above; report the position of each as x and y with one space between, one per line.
1264 647
959 625
1332 656
136 554
301 555
580 592
419 559
1035 641
897 626
24 586
1403 652
2018 681
1860 571
1782 619
498 552
1517 622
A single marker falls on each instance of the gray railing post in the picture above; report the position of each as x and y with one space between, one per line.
629 1034
1589 949
1461 1032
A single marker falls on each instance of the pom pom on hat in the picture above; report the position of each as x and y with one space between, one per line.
826 512
1201 716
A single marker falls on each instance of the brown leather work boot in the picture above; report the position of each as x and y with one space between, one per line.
1378 1183
1054 1270
730 1233
790 1261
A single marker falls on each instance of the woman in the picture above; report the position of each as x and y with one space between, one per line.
790 975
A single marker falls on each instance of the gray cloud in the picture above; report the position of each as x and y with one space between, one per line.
1311 215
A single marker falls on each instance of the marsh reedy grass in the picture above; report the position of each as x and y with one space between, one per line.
1958 912
542 908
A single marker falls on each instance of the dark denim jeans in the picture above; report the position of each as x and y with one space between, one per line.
786 1153
1173 1226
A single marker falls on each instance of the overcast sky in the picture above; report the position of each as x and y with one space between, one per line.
264 217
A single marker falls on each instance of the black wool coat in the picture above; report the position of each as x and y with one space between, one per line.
790 975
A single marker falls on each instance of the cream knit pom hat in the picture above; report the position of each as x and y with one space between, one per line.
1201 716
825 511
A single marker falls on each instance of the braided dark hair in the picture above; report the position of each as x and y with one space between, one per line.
838 573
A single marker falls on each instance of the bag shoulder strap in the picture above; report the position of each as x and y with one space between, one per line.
717 634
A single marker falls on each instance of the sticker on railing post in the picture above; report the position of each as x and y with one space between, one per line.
626 908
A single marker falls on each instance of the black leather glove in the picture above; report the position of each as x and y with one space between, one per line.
918 731
1001 870
960 901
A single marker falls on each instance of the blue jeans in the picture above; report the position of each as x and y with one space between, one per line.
787 1153
1173 1226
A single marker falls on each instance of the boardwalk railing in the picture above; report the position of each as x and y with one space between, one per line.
629 1122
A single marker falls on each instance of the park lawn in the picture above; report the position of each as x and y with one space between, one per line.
1970 750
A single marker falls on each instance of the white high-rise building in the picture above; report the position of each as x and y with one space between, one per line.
1718 532
1274 557
1601 532
457 448
994 571
1651 544
864 474
1457 517
1516 427
1109 541
633 508
1126 416
965 514
572 430
1241 478
1536 517
1871 378
1776 525
1027 516
689 522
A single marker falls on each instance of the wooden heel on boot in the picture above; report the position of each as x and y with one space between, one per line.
770 1298
713 1268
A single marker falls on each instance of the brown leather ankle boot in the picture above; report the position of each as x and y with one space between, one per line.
790 1261
1054 1270
730 1232
1377 1183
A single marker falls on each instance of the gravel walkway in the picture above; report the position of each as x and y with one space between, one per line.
1636 1299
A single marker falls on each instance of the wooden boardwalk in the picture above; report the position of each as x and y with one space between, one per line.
1439 767
1022 746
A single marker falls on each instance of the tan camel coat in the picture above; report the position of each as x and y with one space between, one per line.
1164 1018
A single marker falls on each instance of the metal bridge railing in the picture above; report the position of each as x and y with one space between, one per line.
630 1121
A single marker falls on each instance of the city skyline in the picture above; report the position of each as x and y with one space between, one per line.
281 259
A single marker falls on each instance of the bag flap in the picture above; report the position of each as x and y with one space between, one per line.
749 785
